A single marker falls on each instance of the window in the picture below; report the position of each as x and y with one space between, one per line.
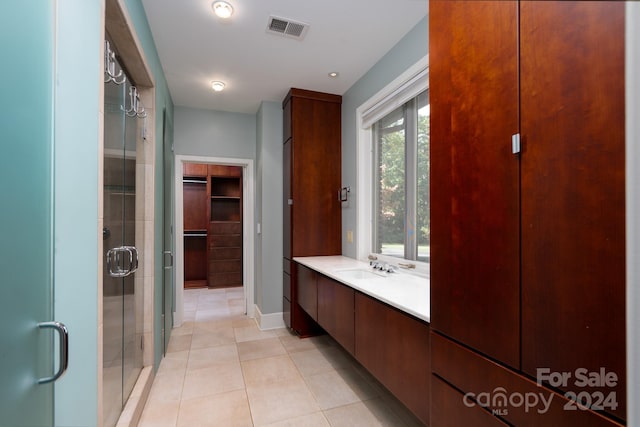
401 181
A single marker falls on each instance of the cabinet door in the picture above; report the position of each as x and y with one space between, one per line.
316 178
573 189
395 348
475 222
336 307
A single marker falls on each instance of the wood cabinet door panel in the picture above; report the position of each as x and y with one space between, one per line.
195 206
316 178
573 189
475 220
194 170
394 347
336 306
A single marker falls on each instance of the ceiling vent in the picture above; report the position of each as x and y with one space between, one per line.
287 27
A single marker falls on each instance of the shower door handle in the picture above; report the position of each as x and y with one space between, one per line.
168 266
116 257
63 332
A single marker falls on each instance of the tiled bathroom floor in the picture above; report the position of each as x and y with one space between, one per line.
221 370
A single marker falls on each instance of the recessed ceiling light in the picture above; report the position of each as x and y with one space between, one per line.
217 85
222 9
334 74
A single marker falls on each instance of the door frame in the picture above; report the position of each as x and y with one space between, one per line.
248 238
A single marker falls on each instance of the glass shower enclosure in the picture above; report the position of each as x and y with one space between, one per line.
122 293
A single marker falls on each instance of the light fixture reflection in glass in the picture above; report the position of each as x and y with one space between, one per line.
217 86
222 9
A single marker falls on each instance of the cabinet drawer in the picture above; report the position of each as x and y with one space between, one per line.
225 266
473 373
225 228
286 286
225 241
448 409
220 253
224 279
222 170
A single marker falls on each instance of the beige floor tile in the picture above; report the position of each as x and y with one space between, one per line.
295 344
260 348
269 370
213 326
371 413
166 388
338 388
213 338
185 329
280 401
174 362
219 304
159 414
243 321
316 361
252 333
214 380
312 420
179 343
189 316
282 332
401 411
207 315
212 356
229 409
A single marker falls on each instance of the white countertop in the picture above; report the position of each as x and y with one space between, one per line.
404 291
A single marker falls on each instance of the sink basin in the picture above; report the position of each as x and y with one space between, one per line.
359 274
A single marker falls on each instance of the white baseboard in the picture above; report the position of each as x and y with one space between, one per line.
268 321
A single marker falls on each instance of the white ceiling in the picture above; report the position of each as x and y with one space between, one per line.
196 47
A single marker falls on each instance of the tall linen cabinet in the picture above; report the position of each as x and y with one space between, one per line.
312 177
527 220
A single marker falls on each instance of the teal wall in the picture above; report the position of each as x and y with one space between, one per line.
77 164
269 208
76 167
411 48
213 133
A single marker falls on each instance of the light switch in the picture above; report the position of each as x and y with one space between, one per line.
349 236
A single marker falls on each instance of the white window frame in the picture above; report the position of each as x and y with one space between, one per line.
406 86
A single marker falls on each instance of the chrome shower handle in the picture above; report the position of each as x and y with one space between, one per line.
63 332
114 258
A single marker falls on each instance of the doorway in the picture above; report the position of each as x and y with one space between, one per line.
247 218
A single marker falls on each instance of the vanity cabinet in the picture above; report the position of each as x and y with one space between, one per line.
312 177
528 242
391 344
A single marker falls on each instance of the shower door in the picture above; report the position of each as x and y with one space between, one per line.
122 291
